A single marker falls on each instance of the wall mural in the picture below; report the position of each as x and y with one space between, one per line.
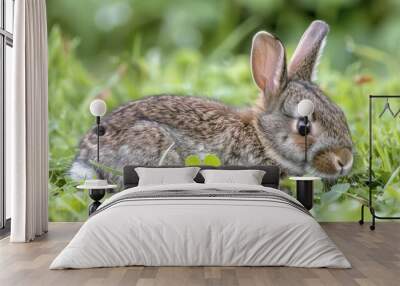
223 98
141 131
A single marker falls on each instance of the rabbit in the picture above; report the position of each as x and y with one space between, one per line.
139 132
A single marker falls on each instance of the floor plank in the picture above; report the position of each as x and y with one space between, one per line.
375 257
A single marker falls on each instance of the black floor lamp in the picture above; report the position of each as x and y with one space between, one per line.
304 184
97 188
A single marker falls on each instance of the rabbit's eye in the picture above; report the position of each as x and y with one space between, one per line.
303 126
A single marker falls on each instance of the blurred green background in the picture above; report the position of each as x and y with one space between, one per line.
121 50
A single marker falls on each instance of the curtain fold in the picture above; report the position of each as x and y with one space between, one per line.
27 135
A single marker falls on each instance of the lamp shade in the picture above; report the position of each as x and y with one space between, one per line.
305 107
98 107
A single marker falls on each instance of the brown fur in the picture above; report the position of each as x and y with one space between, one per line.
140 131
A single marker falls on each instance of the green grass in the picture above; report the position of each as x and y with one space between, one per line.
136 74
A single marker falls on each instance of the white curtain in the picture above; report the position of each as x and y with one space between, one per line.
26 127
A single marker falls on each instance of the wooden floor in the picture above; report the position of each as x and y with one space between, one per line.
375 257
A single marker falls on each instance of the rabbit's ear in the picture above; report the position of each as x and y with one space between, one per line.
268 63
306 56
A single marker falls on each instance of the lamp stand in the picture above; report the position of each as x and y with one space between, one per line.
99 130
98 138
305 138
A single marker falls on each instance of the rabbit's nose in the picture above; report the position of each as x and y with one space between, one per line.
344 159
336 162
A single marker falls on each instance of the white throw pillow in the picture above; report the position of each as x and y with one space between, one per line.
166 176
248 177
